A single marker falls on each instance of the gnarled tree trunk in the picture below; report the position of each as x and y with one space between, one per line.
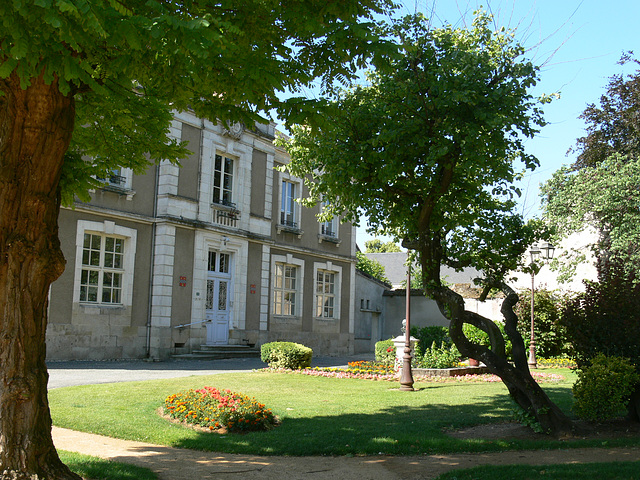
524 390
36 125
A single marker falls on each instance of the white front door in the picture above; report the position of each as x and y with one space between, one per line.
218 304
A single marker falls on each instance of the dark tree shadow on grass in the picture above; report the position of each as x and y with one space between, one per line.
396 431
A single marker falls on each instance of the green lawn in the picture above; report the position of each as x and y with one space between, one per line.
99 469
320 416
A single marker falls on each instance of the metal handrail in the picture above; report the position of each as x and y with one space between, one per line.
192 323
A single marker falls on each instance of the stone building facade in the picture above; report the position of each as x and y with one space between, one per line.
214 252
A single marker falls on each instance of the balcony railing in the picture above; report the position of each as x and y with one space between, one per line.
327 231
288 225
226 203
117 180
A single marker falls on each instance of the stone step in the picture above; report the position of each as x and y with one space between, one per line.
218 352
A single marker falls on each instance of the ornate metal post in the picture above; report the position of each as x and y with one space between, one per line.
533 363
406 379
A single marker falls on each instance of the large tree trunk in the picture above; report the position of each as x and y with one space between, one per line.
36 125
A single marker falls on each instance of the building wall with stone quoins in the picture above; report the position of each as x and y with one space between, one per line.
192 255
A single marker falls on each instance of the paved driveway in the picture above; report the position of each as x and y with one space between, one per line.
66 374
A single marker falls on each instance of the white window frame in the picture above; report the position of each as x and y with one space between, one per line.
330 268
102 268
106 229
298 264
281 225
224 196
288 204
328 228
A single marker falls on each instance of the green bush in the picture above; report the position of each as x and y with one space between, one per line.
286 355
603 388
475 335
427 335
444 356
549 332
385 352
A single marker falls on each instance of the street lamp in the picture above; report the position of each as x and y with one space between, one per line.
543 252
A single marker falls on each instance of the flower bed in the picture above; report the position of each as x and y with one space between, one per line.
539 377
213 409
556 363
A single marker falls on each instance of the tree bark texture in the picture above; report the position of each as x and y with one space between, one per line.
36 124
524 390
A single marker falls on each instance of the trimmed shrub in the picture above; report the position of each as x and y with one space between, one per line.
214 409
606 319
475 335
385 352
286 355
603 389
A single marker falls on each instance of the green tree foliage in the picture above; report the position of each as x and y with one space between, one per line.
549 333
613 126
129 65
87 86
371 267
605 319
377 246
603 198
429 152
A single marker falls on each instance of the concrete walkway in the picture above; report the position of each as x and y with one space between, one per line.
67 374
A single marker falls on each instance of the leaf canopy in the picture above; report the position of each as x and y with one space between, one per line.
604 198
130 64
428 150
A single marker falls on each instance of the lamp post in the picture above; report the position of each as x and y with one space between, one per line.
543 252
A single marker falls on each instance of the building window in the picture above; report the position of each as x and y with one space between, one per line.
285 289
330 227
218 262
104 266
328 278
325 294
288 205
118 179
223 181
102 269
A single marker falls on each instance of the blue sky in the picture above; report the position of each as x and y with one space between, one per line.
577 43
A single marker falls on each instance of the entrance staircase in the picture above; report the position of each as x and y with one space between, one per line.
218 352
